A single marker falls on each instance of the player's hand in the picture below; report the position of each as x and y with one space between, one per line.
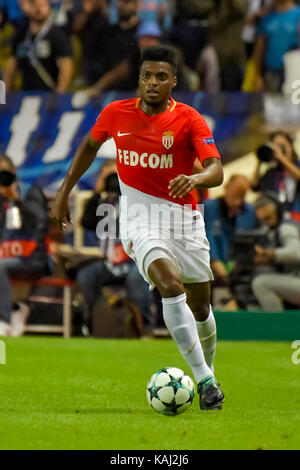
181 185
60 211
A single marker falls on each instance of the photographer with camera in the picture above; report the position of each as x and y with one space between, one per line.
282 254
23 253
283 174
224 216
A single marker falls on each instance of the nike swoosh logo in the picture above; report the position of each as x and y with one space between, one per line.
124 133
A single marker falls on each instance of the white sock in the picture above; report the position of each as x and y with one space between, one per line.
181 324
208 337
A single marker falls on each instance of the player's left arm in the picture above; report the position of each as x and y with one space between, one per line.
210 176
210 170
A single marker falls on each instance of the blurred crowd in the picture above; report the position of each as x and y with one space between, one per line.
227 45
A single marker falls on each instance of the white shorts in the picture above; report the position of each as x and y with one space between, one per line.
189 254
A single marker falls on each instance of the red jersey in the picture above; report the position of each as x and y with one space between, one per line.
152 150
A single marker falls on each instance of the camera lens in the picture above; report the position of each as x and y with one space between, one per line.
7 178
265 153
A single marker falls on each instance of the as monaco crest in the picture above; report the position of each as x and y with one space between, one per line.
168 139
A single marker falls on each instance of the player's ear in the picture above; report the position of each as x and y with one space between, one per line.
174 81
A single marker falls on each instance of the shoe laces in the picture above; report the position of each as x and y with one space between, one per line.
202 386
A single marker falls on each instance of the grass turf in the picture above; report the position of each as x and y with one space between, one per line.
91 394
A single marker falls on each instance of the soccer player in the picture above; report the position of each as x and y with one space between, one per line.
157 142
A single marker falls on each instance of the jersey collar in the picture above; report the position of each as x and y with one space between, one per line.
169 110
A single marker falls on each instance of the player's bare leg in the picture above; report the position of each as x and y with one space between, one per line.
178 317
198 299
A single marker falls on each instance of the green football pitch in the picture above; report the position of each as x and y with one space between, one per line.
91 394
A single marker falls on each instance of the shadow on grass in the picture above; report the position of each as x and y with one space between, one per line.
104 411
92 411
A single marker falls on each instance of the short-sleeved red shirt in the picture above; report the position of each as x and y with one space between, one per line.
152 150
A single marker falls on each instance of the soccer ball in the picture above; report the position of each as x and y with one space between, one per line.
170 391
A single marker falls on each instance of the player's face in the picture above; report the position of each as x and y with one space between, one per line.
156 82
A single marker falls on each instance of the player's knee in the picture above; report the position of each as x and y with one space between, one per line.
171 287
201 311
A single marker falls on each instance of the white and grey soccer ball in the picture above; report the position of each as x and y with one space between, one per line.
170 391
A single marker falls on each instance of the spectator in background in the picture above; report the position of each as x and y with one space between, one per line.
41 52
148 34
223 217
227 20
115 266
190 28
283 254
155 10
190 33
121 51
91 25
63 12
278 33
6 33
256 9
283 174
23 253
208 69
148 10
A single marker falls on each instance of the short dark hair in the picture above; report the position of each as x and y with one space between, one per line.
265 200
160 54
270 198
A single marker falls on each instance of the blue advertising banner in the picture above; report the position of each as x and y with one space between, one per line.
41 131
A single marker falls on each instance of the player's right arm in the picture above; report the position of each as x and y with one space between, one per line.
82 160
